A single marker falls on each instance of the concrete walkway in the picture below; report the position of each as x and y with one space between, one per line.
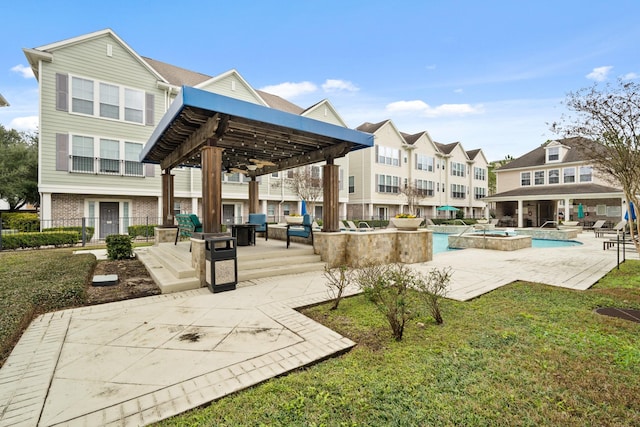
134 362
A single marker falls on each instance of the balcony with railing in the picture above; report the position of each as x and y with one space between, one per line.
103 166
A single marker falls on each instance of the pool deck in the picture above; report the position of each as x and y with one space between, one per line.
135 362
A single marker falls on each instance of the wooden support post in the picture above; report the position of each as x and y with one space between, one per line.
167 198
331 197
211 162
254 196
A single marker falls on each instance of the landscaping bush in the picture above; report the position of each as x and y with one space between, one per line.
338 279
88 230
387 286
119 246
141 230
36 240
23 222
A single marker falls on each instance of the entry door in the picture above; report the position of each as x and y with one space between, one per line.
228 214
109 218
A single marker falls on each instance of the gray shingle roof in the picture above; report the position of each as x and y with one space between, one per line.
178 76
371 127
536 157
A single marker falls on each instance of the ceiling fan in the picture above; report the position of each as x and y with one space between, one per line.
238 170
261 163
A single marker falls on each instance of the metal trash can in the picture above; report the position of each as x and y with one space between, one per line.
221 264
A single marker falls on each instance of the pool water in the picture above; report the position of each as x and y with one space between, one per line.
441 243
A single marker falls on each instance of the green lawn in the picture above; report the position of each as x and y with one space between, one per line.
34 282
524 355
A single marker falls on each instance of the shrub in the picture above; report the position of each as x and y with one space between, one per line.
338 280
119 246
23 222
387 286
434 287
36 240
141 230
88 230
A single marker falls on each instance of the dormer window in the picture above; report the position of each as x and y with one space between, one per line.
553 154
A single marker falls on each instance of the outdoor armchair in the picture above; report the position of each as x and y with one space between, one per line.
303 230
260 220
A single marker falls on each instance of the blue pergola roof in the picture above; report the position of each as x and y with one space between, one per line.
249 133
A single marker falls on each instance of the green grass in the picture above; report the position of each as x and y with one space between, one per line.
524 355
35 282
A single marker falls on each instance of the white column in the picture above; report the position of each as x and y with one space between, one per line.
520 214
45 207
159 210
567 205
194 205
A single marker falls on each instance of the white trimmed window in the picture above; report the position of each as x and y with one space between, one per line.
388 184
553 154
538 178
425 187
105 156
479 192
424 163
387 155
586 173
554 176
458 191
479 174
569 175
525 179
457 169
105 100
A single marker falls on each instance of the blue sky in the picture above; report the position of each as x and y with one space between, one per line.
490 74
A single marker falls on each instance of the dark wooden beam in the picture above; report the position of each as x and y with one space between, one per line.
192 144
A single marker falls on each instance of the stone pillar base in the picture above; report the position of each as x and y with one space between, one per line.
164 235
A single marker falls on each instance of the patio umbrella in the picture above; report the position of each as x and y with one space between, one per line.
580 211
633 212
447 208
303 208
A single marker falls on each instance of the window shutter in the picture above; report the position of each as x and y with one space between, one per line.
149 109
149 170
62 92
62 152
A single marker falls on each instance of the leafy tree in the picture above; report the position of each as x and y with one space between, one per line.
18 168
492 172
610 116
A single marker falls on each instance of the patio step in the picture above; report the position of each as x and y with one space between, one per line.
268 264
170 271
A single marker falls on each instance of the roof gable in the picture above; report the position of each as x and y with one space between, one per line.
33 54
324 111
231 83
537 156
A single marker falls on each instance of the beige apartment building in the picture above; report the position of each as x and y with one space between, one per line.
445 174
550 183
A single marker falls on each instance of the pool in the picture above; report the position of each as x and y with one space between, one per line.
441 243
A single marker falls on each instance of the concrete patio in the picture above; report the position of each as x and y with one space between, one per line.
134 362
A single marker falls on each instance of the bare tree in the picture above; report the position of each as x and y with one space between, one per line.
306 183
414 195
610 116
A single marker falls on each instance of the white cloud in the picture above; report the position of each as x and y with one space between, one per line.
26 72
333 85
599 74
630 76
29 123
458 91
290 90
425 110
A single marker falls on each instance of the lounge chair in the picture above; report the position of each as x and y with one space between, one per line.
619 227
351 226
260 220
364 226
303 230
598 226
187 225
315 226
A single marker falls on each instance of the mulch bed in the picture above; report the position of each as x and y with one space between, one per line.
134 281
620 313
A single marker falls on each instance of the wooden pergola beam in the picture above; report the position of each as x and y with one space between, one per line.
193 144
